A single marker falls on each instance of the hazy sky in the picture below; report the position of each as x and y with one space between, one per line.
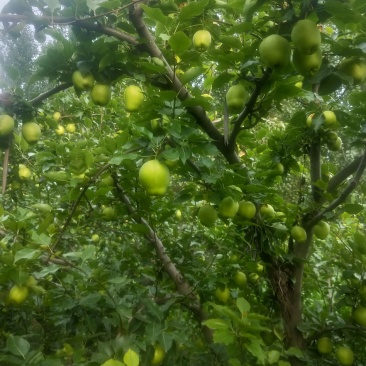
2 3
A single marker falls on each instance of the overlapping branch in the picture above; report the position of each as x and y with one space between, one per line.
343 196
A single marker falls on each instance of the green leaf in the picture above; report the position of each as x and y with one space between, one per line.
119 157
27 254
179 42
234 362
193 9
283 363
256 350
52 4
17 345
294 351
243 305
342 12
41 239
191 74
273 356
155 14
353 208
139 228
88 253
42 207
224 336
58 177
112 362
131 358
216 324
94 4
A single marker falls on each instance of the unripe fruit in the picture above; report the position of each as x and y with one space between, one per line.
306 37
207 215
95 238
154 177
247 209
299 234
267 211
321 230
335 145
133 98
222 294
307 65
330 119
309 120
82 81
70 128
101 94
236 97
353 68
344 356
60 130
24 173
56 116
324 345
109 213
359 315
202 40
275 51
6 125
178 214
228 207
18 294
159 354
31 132
240 279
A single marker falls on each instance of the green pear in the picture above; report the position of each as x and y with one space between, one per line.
236 97
307 65
321 230
275 51
353 68
247 209
207 215
335 145
228 207
306 37
299 234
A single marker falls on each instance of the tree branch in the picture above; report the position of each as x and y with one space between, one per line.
37 100
183 94
84 23
343 196
315 170
180 283
248 108
343 174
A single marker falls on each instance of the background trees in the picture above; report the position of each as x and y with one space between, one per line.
111 273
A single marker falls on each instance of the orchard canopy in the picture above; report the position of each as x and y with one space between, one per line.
183 182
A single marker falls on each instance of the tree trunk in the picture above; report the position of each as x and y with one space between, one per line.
286 284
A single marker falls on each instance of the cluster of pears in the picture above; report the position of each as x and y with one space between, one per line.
100 93
19 293
329 123
275 50
228 208
343 354
321 231
31 131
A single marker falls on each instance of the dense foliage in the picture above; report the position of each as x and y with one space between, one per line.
102 264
